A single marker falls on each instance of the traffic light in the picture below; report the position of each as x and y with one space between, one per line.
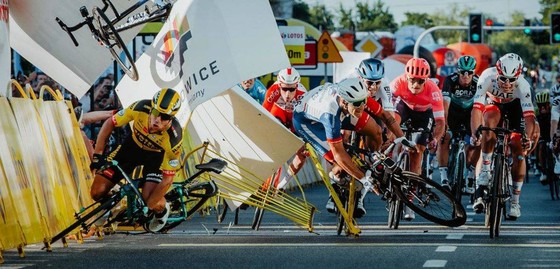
555 28
475 28
489 22
527 24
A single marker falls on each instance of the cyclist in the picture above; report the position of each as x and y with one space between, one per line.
319 118
419 99
555 115
254 88
154 143
280 100
542 113
458 93
501 90
372 73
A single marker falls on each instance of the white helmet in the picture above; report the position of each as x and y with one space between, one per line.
352 90
289 76
510 65
555 90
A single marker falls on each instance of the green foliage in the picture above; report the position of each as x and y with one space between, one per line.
374 18
321 17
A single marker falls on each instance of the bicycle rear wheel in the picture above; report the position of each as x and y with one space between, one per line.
89 218
194 197
430 200
113 41
552 178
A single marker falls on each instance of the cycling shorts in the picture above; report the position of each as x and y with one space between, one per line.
419 120
129 156
457 116
513 112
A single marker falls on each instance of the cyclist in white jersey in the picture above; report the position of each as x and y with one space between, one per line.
501 90
554 116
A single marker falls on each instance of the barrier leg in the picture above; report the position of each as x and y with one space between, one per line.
47 244
64 242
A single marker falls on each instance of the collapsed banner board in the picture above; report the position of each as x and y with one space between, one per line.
5 53
204 48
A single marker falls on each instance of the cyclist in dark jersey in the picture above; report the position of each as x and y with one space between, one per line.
543 114
458 96
155 143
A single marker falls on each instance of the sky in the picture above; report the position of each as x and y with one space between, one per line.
500 9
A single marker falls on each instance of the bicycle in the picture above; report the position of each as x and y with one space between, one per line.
457 163
499 192
553 179
424 196
106 31
182 197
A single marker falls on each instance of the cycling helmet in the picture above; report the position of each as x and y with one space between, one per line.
466 63
289 76
555 90
510 65
371 69
542 97
417 68
167 101
352 90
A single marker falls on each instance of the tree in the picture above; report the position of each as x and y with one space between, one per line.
301 11
374 18
345 18
321 17
420 19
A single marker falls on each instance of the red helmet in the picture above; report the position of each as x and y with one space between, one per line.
417 68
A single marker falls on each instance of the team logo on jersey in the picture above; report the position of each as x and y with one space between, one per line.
174 163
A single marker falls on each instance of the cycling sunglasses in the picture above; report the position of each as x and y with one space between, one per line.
161 115
505 79
417 80
293 89
371 82
466 72
359 103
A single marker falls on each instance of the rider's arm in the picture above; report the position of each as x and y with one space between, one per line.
479 103
524 93
103 136
554 113
344 160
391 123
438 110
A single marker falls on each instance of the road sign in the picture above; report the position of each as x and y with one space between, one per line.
326 50
310 55
369 44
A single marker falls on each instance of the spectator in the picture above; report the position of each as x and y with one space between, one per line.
254 88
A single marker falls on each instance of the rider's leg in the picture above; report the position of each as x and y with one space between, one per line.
443 158
100 187
473 155
491 119
518 173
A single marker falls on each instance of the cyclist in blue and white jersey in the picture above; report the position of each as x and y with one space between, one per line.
554 116
501 90
458 97
324 112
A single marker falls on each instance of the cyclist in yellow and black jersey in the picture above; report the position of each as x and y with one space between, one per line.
155 143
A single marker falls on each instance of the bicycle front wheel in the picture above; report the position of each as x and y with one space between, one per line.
429 199
395 212
113 41
459 180
496 202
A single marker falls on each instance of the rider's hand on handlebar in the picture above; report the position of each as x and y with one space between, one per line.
475 141
97 161
432 145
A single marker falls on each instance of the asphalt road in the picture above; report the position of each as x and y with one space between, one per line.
531 241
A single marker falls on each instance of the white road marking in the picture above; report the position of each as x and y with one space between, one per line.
446 248
455 236
435 263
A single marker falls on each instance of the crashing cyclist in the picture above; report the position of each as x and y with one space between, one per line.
320 117
417 98
154 143
458 93
501 90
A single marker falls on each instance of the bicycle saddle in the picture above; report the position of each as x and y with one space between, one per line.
215 165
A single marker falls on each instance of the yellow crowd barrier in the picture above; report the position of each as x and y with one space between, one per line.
44 169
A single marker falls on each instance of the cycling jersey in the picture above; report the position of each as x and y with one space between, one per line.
383 96
258 91
457 95
318 119
489 92
167 142
555 102
429 98
278 107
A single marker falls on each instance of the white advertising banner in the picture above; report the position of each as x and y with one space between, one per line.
204 48
243 132
5 54
37 36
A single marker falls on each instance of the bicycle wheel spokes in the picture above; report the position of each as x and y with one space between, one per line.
459 180
430 200
112 41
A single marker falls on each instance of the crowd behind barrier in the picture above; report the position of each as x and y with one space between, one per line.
44 175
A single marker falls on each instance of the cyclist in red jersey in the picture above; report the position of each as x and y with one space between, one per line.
280 100
418 98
